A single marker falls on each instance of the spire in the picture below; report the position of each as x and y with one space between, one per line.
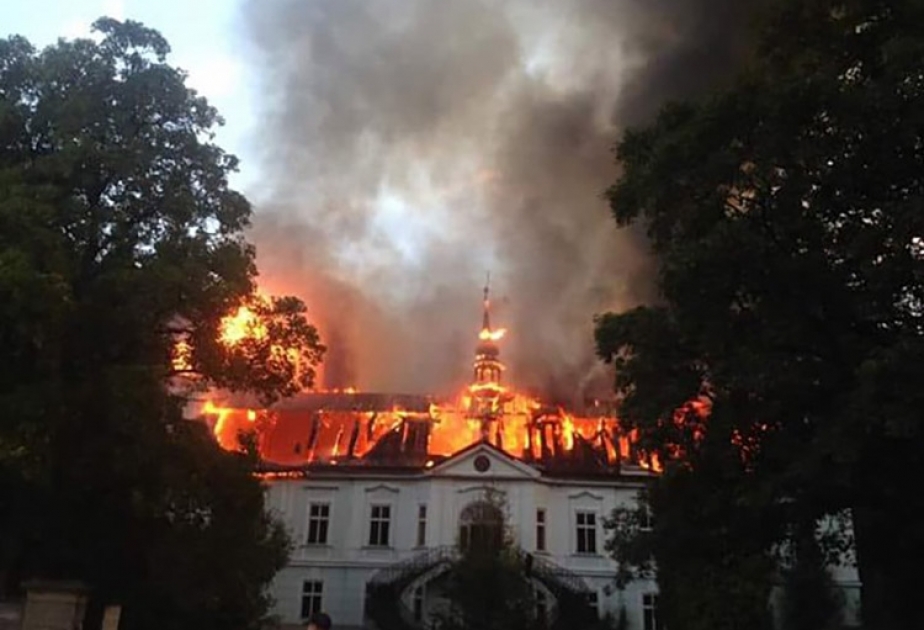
486 319
486 388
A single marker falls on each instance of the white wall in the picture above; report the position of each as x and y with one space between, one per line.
346 563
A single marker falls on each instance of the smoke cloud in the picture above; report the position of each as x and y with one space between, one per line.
410 146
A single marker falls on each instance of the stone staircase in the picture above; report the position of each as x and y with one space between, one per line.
386 610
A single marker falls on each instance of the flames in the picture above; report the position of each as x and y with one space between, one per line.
247 322
348 426
487 334
181 359
520 425
244 323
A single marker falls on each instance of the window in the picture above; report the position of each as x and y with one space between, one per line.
379 525
481 527
645 518
594 601
312 593
421 525
650 619
540 530
542 607
586 532
318 521
418 604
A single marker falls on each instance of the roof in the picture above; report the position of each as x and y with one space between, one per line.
506 466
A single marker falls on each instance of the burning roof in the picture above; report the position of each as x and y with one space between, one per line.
337 428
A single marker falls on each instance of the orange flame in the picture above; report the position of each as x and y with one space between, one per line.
181 356
219 428
516 424
486 410
492 335
243 324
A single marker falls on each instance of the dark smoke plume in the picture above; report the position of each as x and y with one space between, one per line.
409 146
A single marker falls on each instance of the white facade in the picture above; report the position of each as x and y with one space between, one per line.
347 523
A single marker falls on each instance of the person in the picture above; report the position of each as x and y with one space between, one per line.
319 621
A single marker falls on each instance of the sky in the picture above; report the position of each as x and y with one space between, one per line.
209 43
397 150
204 42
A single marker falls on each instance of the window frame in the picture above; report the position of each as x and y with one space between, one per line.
650 617
323 524
541 529
481 525
422 525
542 605
417 604
378 525
312 595
585 533
594 601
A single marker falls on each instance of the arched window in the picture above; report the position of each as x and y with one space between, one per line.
481 527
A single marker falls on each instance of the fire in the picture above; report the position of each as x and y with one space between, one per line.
568 432
220 416
492 335
243 324
519 426
182 355
347 426
247 321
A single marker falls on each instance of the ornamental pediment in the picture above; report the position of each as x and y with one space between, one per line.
483 461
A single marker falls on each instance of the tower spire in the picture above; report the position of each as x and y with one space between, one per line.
487 393
487 362
486 318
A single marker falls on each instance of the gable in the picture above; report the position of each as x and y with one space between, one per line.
483 461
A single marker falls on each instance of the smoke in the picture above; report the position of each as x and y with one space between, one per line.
409 146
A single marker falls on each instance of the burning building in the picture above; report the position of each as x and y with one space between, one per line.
378 489
317 429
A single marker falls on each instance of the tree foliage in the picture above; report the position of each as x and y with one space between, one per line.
810 598
488 586
489 591
785 214
119 237
266 346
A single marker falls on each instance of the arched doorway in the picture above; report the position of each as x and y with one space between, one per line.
481 527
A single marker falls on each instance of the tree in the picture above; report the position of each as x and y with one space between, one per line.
712 558
488 590
810 599
784 214
266 346
120 240
488 586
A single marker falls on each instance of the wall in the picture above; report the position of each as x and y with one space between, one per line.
347 562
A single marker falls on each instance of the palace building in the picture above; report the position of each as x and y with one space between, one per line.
378 492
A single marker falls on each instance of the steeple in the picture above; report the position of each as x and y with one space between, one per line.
488 367
486 318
